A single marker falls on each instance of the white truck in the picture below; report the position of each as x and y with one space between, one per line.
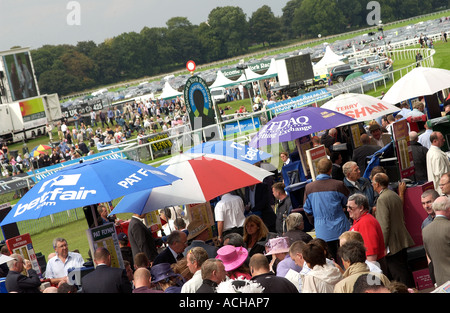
27 118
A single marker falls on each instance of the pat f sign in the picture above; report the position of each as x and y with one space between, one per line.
136 177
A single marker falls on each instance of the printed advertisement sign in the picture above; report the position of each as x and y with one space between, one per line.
106 236
22 245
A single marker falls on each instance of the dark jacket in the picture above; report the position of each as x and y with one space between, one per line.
208 286
283 209
360 155
105 279
165 256
365 189
22 284
141 239
262 206
419 154
275 284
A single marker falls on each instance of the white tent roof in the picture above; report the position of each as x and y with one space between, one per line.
329 59
169 93
222 81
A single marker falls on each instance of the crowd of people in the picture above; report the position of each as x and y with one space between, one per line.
347 236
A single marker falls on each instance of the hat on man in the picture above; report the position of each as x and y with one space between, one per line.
277 245
195 228
161 271
232 257
122 237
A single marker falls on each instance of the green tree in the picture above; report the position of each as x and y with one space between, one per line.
58 81
209 44
316 17
288 17
183 38
158 52
107 62
352 9
265 26
80 66
129 51
229 27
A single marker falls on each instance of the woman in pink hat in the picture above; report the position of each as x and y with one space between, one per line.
233 258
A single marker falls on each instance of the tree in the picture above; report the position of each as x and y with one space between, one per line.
58 81
352 10
81 67
158 52
107 63
264 26
230 28
183 37
288 17
316 17
128 47
209 44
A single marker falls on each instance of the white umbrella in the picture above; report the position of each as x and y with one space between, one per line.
421 81
5 258
361 107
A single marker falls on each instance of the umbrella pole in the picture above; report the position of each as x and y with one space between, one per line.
94 215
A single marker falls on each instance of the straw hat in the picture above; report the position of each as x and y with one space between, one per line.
195 228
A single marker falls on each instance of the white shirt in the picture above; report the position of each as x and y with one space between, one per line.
437 164
57 269
230 211
424 139
193 284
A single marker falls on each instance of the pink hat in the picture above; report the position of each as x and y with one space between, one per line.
277 245
232 257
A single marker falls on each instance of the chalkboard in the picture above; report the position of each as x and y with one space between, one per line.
299 68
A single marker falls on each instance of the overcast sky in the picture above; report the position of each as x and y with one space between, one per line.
34 23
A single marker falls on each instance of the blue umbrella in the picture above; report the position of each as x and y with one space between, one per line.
84 184
297 123
231 149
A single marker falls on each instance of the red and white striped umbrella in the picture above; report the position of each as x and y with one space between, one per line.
203 177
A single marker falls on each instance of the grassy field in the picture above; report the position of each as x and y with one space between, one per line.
75 232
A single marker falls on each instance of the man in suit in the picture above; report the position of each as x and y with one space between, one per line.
141 238
378 137
16 282
436 239
357 184
105 279
419 154
361 153
389 213
258 201
177 241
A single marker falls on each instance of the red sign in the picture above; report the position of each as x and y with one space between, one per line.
22 245
190 65
404 151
